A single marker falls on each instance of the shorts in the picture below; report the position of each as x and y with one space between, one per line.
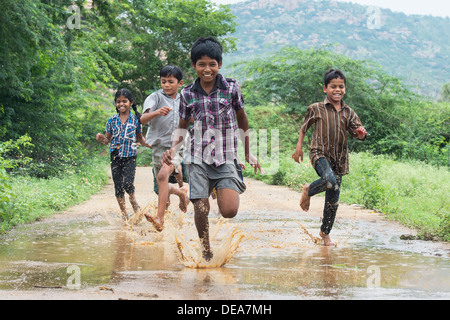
123 171
203 178
157 152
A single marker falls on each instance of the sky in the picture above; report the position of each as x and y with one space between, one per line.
440 8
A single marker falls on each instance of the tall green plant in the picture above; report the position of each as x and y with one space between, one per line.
158 32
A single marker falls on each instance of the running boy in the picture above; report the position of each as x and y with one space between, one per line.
328 152
123 130
161 112
216 104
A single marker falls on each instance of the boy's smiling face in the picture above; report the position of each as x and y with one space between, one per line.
335 90
207 70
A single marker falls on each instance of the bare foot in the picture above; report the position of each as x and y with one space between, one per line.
158 224
207 255
326 239
184 200
305 199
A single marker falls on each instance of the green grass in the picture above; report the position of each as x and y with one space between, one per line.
412 193
38 198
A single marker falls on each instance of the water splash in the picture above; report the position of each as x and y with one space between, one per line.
191 256
178 227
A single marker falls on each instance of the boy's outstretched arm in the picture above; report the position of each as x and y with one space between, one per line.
242 121
298 153
147 116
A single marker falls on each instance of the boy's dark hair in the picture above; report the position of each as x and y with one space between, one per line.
127 94
170 70
208 46
333 74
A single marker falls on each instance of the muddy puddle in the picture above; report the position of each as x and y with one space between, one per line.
274 257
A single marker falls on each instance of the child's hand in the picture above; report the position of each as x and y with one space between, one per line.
167 157
254 163
99 137
361 132
146 145
298 154
164 111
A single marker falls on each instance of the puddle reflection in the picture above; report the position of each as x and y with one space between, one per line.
276 260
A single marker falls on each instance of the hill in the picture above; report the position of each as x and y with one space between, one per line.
413 47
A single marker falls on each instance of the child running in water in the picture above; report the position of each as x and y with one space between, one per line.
328 152
217 107
161 112
123 130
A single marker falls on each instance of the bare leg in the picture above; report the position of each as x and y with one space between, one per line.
326 239
228 202
179 176
122 206
165 190
305 199
134 203
201 211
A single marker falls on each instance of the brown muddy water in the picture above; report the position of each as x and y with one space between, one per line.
267 255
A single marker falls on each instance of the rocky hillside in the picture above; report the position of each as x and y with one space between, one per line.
414 47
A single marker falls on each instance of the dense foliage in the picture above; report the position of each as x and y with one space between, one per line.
399 122
60 61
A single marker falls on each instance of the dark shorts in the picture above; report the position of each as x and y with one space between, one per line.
123 171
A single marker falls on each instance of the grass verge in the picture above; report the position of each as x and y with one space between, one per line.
34 198
412 193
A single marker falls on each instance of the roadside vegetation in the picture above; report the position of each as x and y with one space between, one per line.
56 92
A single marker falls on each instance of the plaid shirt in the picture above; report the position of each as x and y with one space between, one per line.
214 136
123 135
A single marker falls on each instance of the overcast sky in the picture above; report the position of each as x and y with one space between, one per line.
439 8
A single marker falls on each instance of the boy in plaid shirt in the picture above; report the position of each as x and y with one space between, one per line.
217 107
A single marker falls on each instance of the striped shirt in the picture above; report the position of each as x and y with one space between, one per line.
329 138
214 136
123 135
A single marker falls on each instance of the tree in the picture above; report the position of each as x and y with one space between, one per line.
154 33
50 72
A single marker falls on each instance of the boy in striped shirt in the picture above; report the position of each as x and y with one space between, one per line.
328 151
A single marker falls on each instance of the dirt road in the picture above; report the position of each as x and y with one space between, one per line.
258 197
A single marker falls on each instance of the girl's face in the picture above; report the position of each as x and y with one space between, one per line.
123 105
